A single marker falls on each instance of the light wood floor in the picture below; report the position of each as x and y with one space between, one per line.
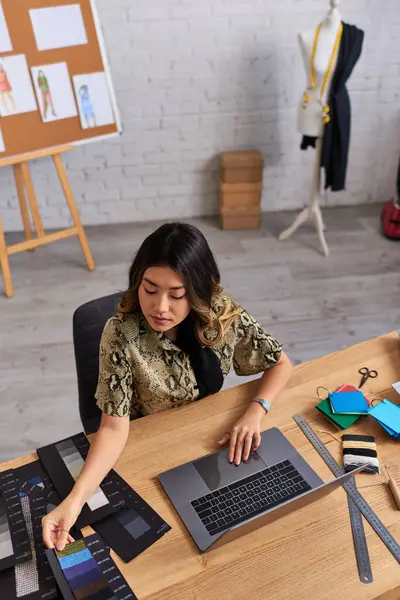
313 304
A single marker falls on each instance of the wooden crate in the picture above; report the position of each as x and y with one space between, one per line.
242 167
240 195
240 218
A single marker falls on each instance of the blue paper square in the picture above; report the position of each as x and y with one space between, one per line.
387 414
349 403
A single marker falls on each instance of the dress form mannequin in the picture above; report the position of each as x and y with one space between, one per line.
310 120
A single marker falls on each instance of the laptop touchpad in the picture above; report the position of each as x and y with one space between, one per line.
216 471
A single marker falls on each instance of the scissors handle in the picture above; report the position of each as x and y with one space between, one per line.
366 374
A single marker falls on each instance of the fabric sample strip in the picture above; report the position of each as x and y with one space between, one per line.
74 463
360 450
107 574
26 575
83 573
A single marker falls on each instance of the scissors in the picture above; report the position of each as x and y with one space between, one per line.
366 374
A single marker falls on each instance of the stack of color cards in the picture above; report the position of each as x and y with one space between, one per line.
80 577
83 573
345 406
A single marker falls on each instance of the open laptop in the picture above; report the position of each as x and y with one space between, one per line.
218 501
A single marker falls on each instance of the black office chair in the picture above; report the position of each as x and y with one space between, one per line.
88 324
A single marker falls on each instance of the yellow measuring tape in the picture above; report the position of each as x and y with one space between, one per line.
325 109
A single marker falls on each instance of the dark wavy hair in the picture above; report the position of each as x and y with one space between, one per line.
184 249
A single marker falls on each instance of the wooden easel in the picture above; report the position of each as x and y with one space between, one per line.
25 190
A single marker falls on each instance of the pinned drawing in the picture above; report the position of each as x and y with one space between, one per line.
2 145
16 93
5 40
93 97
58 27
7 98
54 92
47 98
86 106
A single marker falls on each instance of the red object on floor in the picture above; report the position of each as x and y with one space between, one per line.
391 214
391 220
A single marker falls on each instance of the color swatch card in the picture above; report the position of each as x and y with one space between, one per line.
388 415
339 421
15 546
349 403
63 462
85 569
134 528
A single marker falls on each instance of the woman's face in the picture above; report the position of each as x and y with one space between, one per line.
163 298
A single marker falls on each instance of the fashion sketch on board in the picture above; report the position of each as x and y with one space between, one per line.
86 106
6 91
47 98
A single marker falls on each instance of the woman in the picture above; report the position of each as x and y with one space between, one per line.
47 98
174 339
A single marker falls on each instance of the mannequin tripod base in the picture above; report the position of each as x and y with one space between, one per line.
312 213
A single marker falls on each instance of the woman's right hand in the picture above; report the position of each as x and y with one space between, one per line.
57 524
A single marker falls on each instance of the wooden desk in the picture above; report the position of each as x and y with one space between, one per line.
306 555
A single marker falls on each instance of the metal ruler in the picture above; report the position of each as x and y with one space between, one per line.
356 504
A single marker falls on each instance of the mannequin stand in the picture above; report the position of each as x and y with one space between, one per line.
313 211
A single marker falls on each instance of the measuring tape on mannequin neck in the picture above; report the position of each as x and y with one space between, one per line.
325 108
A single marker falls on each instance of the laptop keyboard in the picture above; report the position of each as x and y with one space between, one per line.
249 497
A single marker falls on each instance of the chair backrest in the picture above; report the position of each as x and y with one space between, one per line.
88 324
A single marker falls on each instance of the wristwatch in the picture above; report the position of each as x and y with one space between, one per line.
264 403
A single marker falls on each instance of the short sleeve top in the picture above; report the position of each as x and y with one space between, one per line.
142 371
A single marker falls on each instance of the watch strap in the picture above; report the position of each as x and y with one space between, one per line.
264 403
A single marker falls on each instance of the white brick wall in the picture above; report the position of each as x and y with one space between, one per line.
196 77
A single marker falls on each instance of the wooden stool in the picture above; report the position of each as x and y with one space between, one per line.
25 190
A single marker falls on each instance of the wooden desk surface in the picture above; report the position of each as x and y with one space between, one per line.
308 554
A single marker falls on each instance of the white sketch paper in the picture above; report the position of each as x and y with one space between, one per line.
58 27
54 92
5 40
93 98
2 145
16 92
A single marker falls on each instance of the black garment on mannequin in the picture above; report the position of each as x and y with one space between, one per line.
204 361
336 142
335 150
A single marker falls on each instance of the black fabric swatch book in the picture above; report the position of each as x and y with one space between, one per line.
125 521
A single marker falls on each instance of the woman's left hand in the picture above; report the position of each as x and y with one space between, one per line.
245 436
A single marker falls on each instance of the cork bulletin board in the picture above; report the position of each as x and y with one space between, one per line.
57 75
